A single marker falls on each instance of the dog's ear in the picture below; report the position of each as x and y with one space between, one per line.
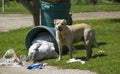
65 22
54 21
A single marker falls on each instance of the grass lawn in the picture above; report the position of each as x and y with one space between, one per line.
94 8
108 38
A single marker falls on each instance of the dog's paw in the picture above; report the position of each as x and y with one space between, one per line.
58 59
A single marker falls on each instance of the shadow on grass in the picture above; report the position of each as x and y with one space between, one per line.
93 57
99 55
82 47
115 20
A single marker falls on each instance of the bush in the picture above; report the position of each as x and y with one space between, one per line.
87 2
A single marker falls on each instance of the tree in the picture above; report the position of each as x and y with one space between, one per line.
33 8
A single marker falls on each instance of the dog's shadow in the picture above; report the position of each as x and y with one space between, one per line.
82 47
93 57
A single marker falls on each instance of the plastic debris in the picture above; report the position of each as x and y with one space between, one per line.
36 66
101 51
10 59
75 60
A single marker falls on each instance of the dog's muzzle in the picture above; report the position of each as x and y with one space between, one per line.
59 29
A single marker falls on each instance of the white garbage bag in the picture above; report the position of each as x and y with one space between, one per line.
42 50
44 36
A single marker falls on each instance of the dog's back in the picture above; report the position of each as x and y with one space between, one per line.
78 31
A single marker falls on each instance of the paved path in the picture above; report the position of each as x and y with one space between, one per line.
14 21
95 15
45 70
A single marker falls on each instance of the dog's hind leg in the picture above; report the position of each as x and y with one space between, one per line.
88 49
88 42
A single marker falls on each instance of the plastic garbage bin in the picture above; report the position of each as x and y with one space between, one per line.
51 11
32 33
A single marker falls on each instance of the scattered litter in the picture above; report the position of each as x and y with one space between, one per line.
36 66
75 60
101 51
10 59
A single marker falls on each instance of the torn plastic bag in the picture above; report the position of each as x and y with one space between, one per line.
10 58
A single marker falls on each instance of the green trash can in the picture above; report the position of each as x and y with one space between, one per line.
32 33
51 11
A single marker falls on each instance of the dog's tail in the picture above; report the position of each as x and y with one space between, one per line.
93 39
94 42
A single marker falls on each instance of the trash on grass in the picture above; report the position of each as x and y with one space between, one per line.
75 60
36 66
10 59
101 51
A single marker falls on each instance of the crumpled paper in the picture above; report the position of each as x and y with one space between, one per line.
75 60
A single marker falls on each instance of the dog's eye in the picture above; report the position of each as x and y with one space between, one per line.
57 23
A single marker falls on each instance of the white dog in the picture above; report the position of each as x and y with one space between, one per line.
67 35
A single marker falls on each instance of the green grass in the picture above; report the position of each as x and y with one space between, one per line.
17 8
13 39
108 38
94 8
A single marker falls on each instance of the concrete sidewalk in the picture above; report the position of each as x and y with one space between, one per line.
95 15
15 21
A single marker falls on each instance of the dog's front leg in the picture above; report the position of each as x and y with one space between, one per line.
70 50
60 52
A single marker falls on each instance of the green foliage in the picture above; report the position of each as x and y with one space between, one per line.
17 8
14 8
87 2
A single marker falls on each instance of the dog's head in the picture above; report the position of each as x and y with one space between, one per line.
60 24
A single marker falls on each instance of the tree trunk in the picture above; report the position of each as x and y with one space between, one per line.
37 12
33 9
